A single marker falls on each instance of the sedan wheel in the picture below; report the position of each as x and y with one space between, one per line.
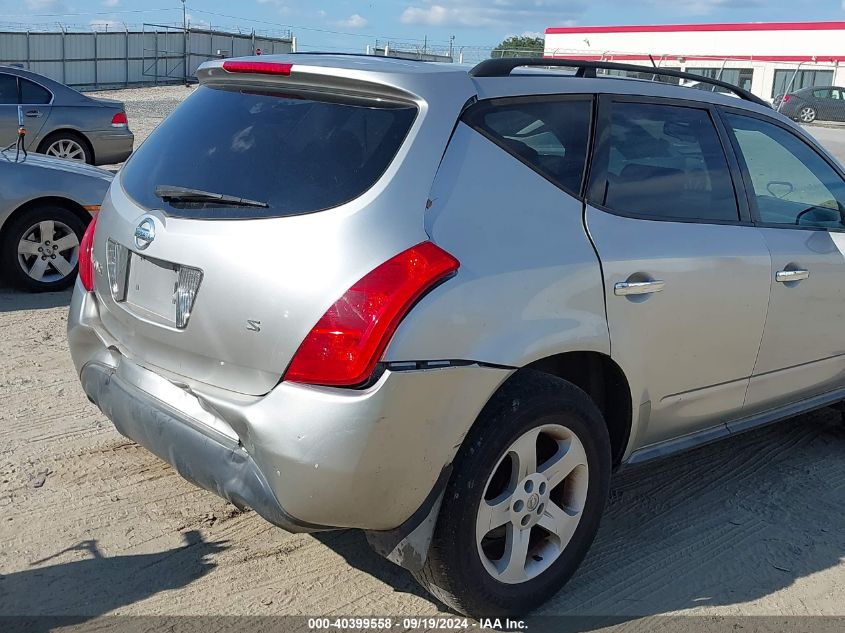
48 251
39 250
807 114
67 148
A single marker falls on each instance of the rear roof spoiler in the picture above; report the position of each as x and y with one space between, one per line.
587 68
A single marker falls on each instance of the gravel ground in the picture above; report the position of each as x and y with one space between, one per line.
92 525
147 107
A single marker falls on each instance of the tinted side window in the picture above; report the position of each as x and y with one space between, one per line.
8 89
551 135
791 182
667 162
33 94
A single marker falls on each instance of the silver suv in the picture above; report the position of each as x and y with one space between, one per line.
442 305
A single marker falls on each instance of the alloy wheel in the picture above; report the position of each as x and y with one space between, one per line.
532 504
48 251
66 148
807 115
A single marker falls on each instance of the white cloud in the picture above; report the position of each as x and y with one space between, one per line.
483 13
280 5
354 21
705 7
106 25
44 5
197 22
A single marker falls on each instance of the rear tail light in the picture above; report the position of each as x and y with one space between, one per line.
117 263
186 294
786 98
260 68
347 342
86 259
119 120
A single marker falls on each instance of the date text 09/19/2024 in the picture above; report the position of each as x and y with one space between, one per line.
427 623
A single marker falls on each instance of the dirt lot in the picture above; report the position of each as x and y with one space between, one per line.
91 524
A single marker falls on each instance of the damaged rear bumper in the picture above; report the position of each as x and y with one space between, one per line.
210 460
305 458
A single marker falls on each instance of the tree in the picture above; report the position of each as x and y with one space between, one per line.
520 46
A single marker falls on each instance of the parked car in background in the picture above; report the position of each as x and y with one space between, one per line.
818 103
62 122
45 206
480 294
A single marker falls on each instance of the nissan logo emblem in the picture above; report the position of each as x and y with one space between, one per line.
145 233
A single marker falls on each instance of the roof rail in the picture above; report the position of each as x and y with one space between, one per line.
503 67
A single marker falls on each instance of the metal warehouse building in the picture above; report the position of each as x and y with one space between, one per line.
766 58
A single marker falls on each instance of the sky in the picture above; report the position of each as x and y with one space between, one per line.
351 25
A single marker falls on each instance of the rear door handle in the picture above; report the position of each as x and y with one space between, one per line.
33 113
625 288
784 276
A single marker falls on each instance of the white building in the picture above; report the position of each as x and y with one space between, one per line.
766 58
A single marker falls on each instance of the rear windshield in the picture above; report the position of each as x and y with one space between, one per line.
285 154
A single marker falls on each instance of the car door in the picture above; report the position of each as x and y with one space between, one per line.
8 109
797 198
821 100
686 274
36 103
837 102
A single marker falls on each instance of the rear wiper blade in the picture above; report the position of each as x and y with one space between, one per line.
170 193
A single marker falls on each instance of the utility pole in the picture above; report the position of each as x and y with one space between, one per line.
451 46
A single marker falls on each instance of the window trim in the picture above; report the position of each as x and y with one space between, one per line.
469 117
746 174
19 91
33 105
597 177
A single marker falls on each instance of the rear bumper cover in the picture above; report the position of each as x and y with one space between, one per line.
305 458
211 463
111 146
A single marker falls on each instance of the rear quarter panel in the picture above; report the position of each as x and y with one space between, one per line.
80 118
529 285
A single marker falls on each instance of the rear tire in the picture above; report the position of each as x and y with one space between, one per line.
67 145
807 114
55 265
480 572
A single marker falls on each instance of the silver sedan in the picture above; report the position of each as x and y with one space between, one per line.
45 206
62 122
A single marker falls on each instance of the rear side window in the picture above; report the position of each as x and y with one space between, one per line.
8 89
550 135
285 154
33 94
667 162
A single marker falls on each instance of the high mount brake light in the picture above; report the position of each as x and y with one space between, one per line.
258 68
347 342
86 259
